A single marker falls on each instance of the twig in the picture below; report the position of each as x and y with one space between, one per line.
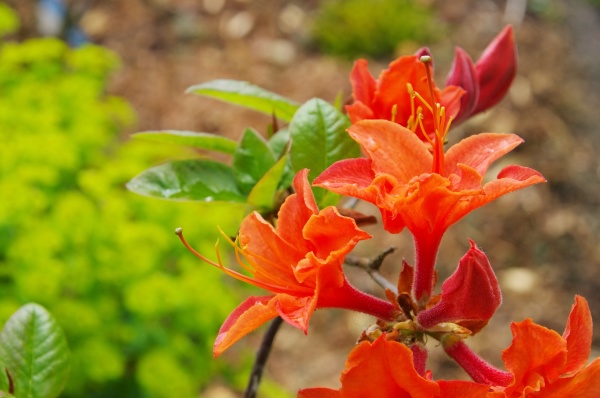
261 358
372 267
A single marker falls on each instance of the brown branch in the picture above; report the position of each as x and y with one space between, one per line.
372 267
261 358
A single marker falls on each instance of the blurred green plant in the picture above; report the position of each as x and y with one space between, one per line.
372 28
103 260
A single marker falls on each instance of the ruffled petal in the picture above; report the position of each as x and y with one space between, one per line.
296 210
462 389
578 334
393 149
384 369
585 384
319 392
479 151
363 83
249 315
333 235
536 354
350 177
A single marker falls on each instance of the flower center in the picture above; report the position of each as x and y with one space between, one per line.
441 125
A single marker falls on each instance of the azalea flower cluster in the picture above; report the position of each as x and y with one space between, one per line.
401 122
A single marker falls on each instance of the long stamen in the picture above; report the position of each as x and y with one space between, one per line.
274 288
439 116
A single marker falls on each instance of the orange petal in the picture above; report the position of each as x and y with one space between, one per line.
462 389
384 369
363 83
392 89
450 98
333 235
350 177
578 334
296 310
359 111
392 148
535 352
479 151
319 393
272 257
585 384
510 179
296 210
249 315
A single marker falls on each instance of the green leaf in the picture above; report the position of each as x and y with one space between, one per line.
252 159
198 179
190 138
279 141
247 95
319 139
34 350
264 192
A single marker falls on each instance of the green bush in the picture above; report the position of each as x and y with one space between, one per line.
140 313
372 28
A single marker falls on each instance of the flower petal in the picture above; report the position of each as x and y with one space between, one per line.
363 83
358 111
384 369
393 149
584 384
319 392
462 389
578 334
272 258
479 151
349 177
510 179
249 315
296 210
536 354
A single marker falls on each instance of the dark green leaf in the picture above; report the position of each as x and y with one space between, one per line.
263 194
247 95
198 140
199 179
319 138
34 350
252 159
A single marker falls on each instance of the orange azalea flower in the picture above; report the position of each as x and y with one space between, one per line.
385 368
544 364
403 94
421 191
299 261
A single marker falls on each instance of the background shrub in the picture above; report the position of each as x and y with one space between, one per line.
364 28
140 313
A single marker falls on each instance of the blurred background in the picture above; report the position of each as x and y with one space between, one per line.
140 312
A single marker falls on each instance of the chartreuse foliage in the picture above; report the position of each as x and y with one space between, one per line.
372 28
260 172
103 261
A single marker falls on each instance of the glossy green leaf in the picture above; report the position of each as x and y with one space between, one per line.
34 350
207 141
319 138
198 179
252 159
263 195
279 141
247 95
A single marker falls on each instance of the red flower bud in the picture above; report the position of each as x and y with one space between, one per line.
469 297
488 81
